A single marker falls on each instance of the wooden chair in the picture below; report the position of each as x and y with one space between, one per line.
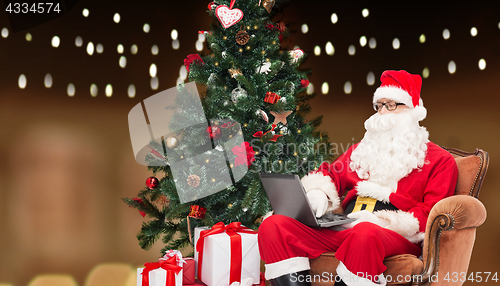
53 280
449 235
109 274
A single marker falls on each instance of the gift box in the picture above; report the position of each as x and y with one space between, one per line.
166 272
189 271
271 97
226 254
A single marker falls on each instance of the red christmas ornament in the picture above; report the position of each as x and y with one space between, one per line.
271 97
197 212
211 5
193 58
152 182
214 132
304 83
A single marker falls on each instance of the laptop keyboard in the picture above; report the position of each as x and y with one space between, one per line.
328 217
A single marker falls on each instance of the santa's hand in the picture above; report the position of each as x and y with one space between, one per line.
319 201
365 216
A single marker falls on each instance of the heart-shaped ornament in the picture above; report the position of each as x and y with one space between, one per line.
228 17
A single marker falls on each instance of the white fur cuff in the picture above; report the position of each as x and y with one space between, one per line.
323 183
403 223
287 266
351 279
395 93
374 190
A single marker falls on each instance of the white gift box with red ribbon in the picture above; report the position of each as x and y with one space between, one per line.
217 269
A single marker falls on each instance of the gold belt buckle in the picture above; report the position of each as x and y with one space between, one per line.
364 203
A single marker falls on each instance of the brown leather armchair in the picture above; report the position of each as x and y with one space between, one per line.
449 235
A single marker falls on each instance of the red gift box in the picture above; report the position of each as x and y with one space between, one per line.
188 272
271 97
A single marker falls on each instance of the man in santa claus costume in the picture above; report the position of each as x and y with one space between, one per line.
390 180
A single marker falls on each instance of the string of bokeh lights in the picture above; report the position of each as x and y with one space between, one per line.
153 69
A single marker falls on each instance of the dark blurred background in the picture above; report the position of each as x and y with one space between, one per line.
66 160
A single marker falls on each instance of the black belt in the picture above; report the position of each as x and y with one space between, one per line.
364 203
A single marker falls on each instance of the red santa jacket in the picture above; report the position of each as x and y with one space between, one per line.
416 193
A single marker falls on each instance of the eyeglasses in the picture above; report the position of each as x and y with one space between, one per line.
388 105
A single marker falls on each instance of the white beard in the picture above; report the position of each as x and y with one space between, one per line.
393 146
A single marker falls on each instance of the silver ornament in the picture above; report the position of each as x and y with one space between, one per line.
237 93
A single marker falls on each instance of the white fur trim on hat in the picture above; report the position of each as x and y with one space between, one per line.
287 266
374 190
324 183
351 279
395 93
404 223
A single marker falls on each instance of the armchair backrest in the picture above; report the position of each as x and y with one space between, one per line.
472 168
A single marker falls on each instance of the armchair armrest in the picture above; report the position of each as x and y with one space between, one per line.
449 237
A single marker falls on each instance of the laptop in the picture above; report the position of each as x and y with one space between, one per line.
288 197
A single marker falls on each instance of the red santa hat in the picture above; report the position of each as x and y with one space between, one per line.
402 87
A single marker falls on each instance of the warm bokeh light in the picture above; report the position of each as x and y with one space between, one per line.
362 41
22 82
116 18
325 88
29 37
154 83
370 78
199 46
109 90
122 62
482 64
421 39
452 67
146 28
154 50
85 12
330 50
131 91
351 50
317 51
183 72
304 28
473 31
120 49
5 33
395 43
134 49
93 90
372 43
47 81
175 44
335 19
71 90
310 88
201 37
174 34
55 41
152 70
365 13
99 48
90 48
78 41
425 72
348 87
446 34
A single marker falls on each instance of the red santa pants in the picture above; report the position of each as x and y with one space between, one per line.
361 249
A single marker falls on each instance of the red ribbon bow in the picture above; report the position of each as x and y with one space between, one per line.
170 265
260 134
236 255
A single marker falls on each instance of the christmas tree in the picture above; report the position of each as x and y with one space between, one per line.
256 89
